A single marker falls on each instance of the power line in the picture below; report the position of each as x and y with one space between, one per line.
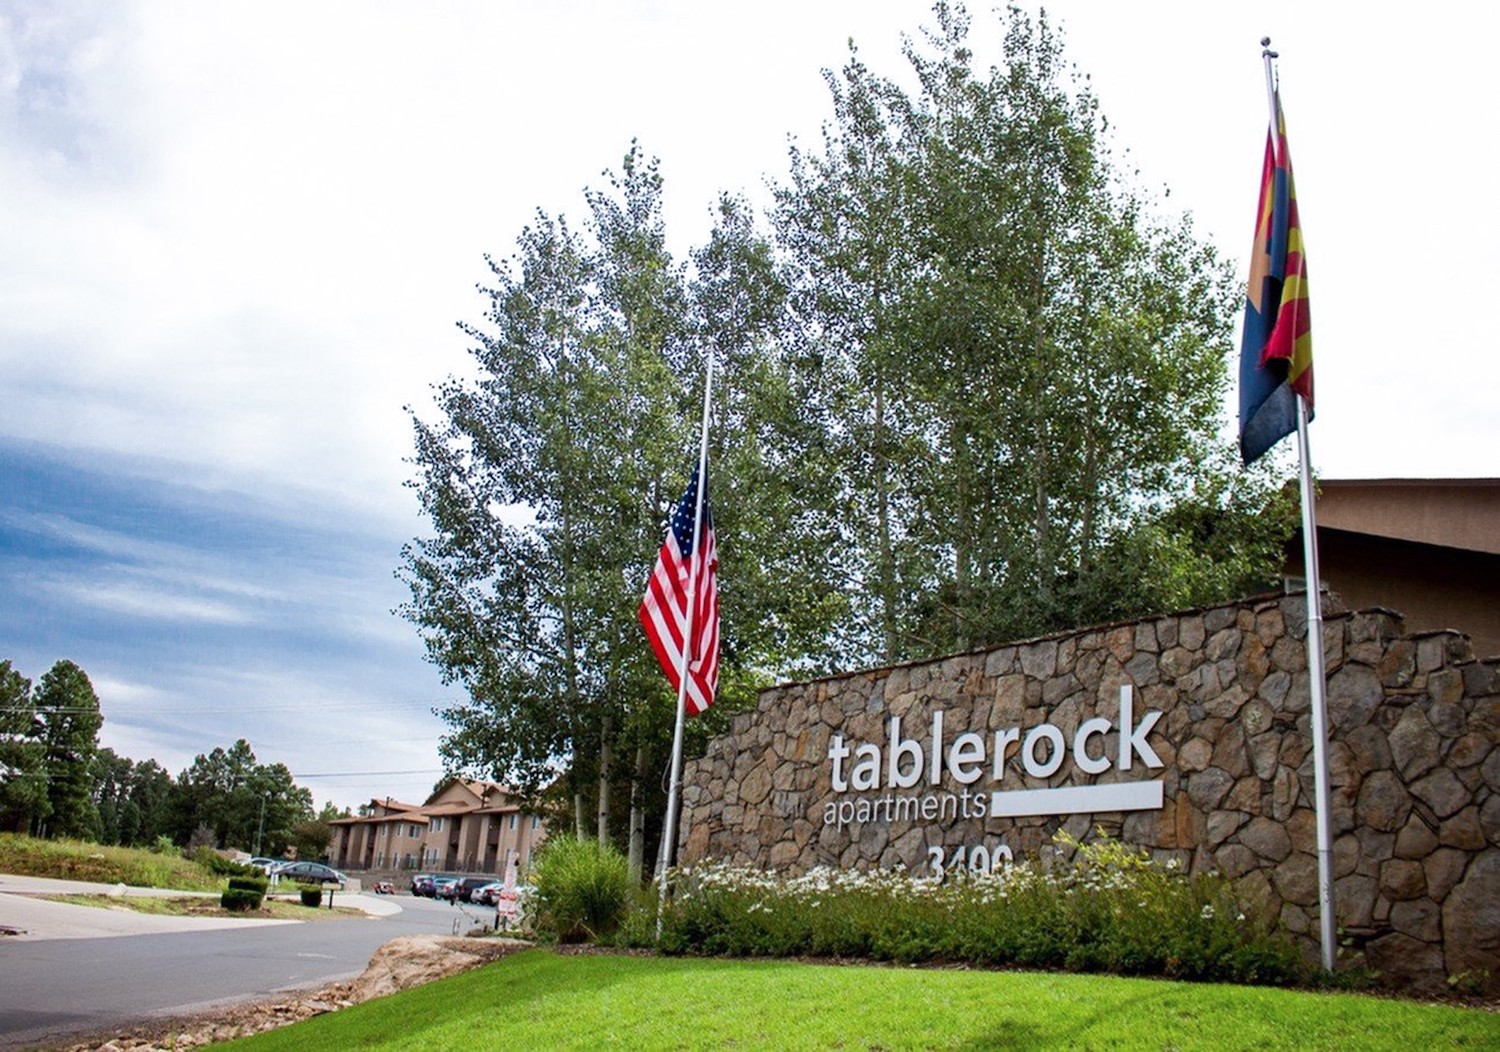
369 774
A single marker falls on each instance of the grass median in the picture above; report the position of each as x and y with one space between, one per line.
208 906
543 999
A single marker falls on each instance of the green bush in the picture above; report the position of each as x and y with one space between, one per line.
312 894
240 900
254 887
216 863
582 889
1110 909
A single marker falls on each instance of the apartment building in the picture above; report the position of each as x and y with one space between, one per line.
464 827
1428 549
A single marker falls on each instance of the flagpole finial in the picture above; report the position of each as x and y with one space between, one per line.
1265 42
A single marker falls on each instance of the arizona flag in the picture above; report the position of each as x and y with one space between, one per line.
1276 348
680 569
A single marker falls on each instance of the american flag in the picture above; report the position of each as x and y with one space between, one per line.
664 610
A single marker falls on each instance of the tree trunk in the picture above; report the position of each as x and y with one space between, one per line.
1090 499
606 761
637 847
580 827
1040 466
883 528
962 553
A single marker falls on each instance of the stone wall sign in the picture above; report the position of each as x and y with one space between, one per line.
1186 734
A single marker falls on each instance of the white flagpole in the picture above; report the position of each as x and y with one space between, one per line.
1317 678
669 831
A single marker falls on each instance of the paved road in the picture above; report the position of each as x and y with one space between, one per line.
57 982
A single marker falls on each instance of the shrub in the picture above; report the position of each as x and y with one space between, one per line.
312 894
250 889
582 889
216 863
240 900
1111 908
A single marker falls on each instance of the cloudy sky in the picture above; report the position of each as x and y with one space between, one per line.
235 238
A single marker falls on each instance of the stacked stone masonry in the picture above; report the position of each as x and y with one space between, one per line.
1414 770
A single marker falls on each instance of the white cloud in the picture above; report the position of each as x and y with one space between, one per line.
138 600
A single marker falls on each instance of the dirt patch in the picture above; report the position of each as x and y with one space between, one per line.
398 965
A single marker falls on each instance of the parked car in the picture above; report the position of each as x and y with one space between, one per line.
444 887
468 885
309 873
485 894
383 887
266 864
421 884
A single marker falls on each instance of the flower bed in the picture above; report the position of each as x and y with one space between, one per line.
1110 909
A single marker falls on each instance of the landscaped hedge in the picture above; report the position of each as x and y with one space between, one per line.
1112 909
312 895
240 900
253 886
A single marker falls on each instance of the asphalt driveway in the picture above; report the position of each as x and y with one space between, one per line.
78 970
24 915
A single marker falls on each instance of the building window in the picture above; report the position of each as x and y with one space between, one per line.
434 825
414 831
535 821
513 821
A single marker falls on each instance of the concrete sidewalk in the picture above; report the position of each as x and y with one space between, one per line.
25 915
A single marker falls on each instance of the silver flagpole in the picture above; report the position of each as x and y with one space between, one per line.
669 831
1317 678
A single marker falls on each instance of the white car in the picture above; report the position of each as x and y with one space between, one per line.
485 894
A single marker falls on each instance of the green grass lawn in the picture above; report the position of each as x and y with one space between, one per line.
543 1000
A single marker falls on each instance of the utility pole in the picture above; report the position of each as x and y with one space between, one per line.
260 827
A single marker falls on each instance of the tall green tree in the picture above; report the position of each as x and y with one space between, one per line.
311 835
23 772
133 799
839 222
239 802
70 714
1030 361
543 482
549 479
